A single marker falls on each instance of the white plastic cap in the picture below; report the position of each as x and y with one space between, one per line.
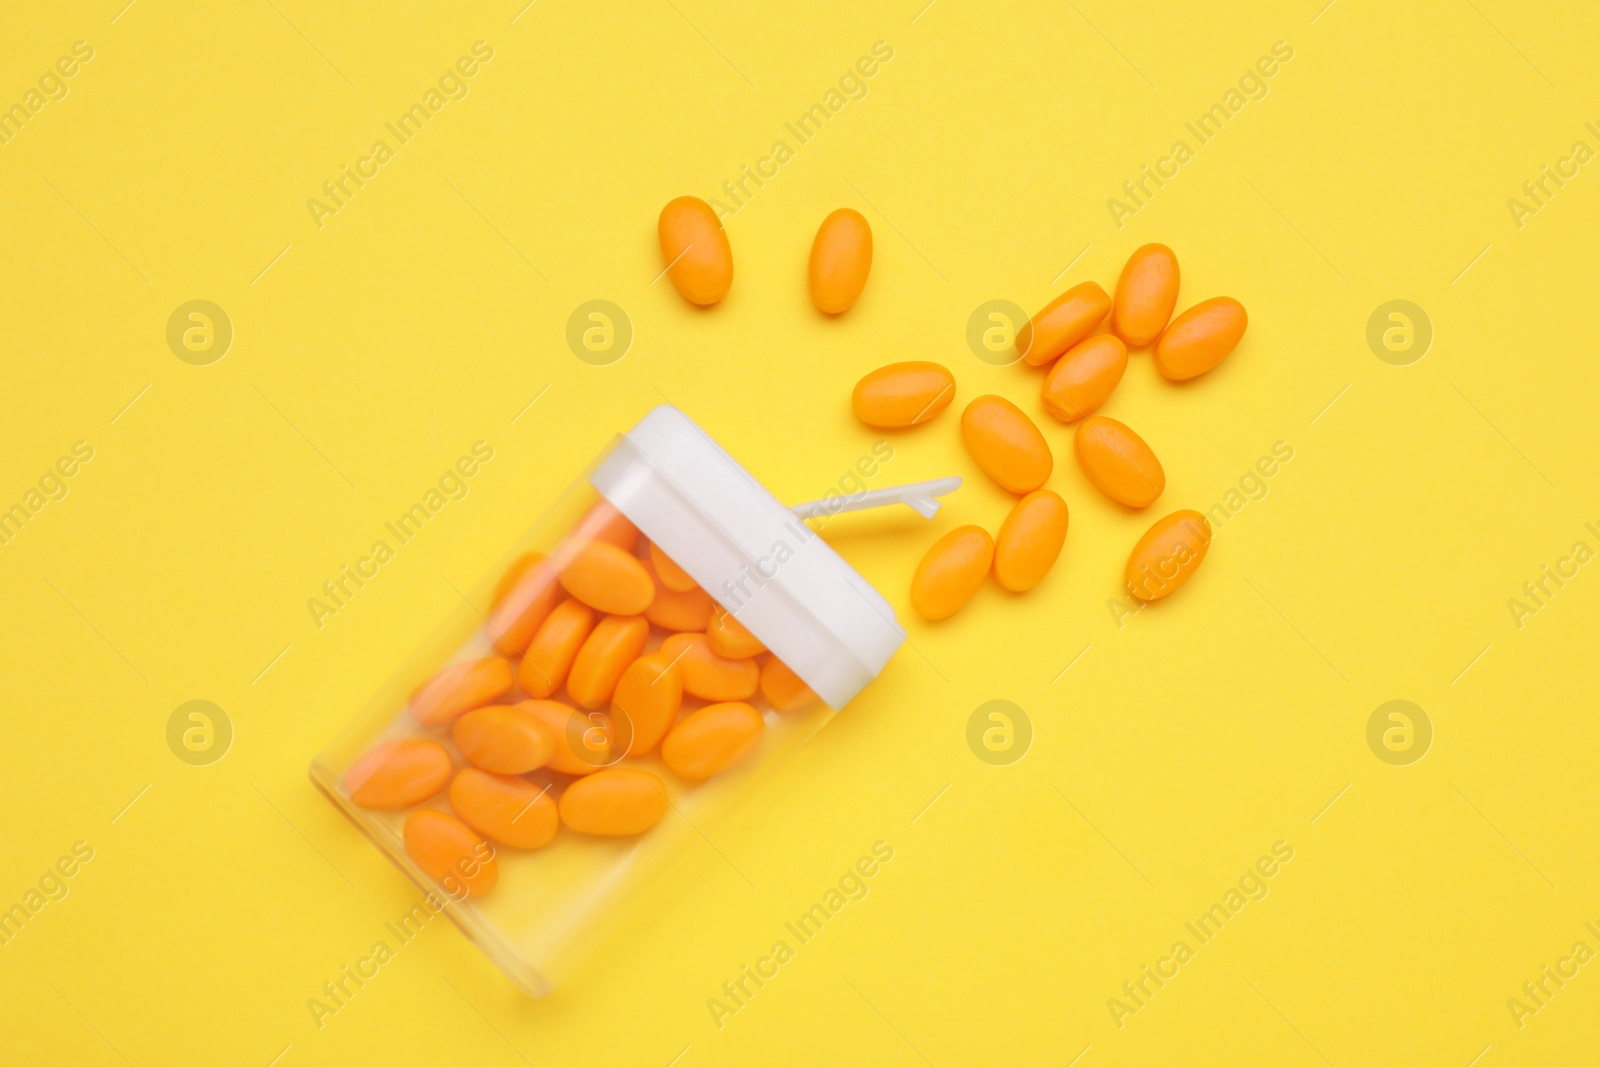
755 557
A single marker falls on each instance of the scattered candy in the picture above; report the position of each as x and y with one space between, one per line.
1062 323
1146 295
1005 444
695 251
841 259
1030 540
1167 555
1200 338
1118 462
903 394
1083 378
951 572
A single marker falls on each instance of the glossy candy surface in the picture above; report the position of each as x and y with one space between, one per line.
554 647
1030 540
608 579
505 739
581 742
603 522
451 852
1146 295
690 610
903 394
505 808
669 573
647 696
1167 555
1084 377
461 687
613 644
783 688
1062 323
398 774
841 259
614 802
951 572
1005 444
1118 462
712 739
695 250
1200 338
729 639
522 601
708 675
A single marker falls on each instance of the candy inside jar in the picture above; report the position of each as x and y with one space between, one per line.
665 632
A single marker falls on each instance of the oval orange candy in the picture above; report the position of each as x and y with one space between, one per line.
690 610
519 566
1118 462
1167 555
554 647
522 601
398 774
1146 295
841 259
503 739
610 647
615 802
669 573
784 689
951 572
708 675
903 394
505 808
451 852
695 250
461 687
647 698
608 579
1030 540
1084 377
1200 338
712 739
1006 444
582 742
729 639
603 522
1062 323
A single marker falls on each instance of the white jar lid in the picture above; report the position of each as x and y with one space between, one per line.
755 557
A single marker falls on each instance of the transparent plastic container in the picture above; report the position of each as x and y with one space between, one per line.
664 487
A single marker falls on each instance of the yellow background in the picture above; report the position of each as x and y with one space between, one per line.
431 309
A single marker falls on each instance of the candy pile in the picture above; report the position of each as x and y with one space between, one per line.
1085 367
658 680
611 667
